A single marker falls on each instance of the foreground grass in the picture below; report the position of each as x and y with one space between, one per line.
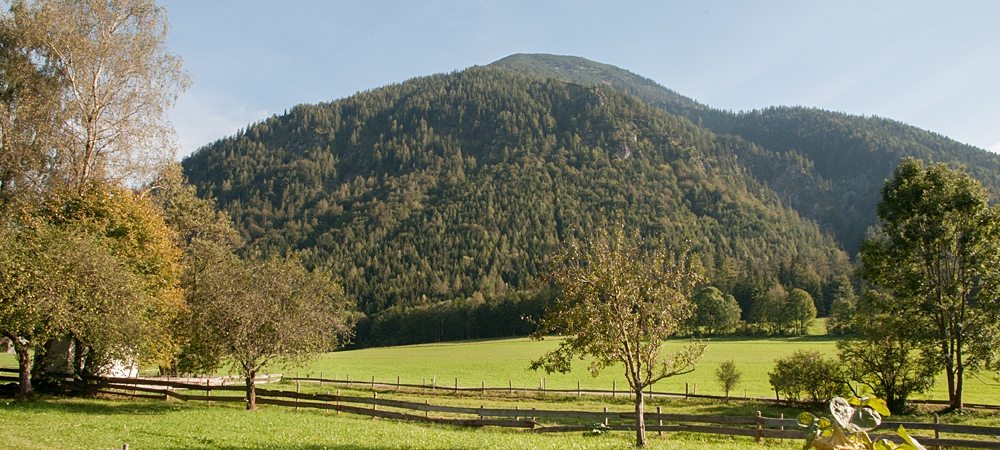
90 423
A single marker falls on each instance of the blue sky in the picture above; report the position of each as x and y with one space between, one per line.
933 65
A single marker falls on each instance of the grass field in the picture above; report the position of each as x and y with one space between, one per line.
498 362
104 424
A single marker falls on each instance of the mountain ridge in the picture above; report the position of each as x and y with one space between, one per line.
829 166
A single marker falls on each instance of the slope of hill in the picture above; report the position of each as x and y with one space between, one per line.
454 187
828 166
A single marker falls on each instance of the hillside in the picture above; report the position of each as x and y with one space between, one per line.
828 166
454 188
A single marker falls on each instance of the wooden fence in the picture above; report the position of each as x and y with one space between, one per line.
531 420
614 392
758 427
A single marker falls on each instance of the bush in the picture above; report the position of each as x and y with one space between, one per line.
807 376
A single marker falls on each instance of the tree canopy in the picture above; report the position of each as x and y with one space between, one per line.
938 253
619 302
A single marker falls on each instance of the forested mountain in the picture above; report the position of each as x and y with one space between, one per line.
828 166
454 188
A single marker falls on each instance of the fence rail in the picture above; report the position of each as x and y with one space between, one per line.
756 427
579 391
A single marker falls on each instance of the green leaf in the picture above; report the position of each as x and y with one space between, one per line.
883 444
806 419
877 404
908 442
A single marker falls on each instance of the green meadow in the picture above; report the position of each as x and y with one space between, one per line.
105 424
500 363
70 423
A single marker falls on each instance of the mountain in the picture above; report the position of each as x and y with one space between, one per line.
828 166
455 188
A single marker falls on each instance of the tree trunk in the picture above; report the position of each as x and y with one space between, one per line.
956 400
640 419
24 366
251 391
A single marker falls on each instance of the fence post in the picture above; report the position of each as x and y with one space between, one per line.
397 382
614 388
483 387
374 401
759 427
297 391
605 415
208 392
577 388
427 409
937 428
321 378
373 382
434 382
517 415
338 402
685 389
782 428
659 410
694 389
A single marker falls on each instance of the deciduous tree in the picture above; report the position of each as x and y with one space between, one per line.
619 303
716 313
882 355
117 81
258 313
938 253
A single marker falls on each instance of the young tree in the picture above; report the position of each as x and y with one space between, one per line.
618 305
715 312
258 313
938 253
728 376
117 81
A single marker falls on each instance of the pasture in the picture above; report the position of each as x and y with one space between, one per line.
96 423
499 362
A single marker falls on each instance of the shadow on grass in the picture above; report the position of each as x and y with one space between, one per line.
91 406
313 447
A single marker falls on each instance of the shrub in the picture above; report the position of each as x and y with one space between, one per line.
807 376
